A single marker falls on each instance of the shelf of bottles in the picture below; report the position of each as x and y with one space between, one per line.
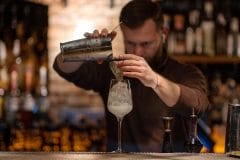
24 85
24 97
203 31
206 33
23 68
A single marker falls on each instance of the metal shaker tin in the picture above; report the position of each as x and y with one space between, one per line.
232 139
87 49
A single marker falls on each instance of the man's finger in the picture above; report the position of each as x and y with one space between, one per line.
95 33
87 35
130 56
104 32
112 34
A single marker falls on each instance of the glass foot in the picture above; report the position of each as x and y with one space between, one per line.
119 151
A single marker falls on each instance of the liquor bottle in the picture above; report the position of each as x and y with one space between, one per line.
3 73
16 56
171 36
2 9
208 27
166 29
3 67
15 71
233 96
198 30
42 86
221 34
191 35
43 76
30 64
14 99
3 126
179 34
233 38
199 41
3 91
193 145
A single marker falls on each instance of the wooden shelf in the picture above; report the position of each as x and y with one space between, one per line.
201 59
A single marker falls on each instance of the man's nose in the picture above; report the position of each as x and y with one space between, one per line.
138 50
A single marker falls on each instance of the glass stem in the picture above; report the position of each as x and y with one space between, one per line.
119 119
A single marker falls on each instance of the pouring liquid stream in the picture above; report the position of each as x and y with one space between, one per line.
116 71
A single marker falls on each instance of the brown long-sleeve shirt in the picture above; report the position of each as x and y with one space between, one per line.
143 127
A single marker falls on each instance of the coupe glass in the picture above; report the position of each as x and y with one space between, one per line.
119 103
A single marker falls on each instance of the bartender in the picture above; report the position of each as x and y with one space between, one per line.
161 86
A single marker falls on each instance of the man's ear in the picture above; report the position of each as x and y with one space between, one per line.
163 38
165 31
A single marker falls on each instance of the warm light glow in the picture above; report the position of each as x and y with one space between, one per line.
82 27
218 136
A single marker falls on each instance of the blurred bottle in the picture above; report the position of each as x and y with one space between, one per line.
30 69
15 69
192 35
16 52
4 79
3 76
233 39
2 9
218 100
3 91
208 27
234 95
193 145
221 34
42 86
179 34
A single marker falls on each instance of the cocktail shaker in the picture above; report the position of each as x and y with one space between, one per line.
232 140
87 49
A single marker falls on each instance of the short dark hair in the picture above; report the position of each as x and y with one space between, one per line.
134 13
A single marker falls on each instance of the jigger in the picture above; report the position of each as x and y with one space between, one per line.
167 140
167 123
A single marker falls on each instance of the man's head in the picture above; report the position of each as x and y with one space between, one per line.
134 13
142 28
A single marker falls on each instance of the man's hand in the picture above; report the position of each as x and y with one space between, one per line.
69 67
104 33
136 67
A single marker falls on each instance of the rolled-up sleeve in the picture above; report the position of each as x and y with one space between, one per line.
193 92
89 76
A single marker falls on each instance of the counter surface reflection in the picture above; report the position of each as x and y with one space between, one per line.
111 156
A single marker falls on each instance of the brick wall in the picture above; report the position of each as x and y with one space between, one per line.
68 23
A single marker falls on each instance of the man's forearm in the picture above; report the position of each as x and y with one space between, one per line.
168 91
67 67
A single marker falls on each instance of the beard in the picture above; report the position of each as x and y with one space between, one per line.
158 59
